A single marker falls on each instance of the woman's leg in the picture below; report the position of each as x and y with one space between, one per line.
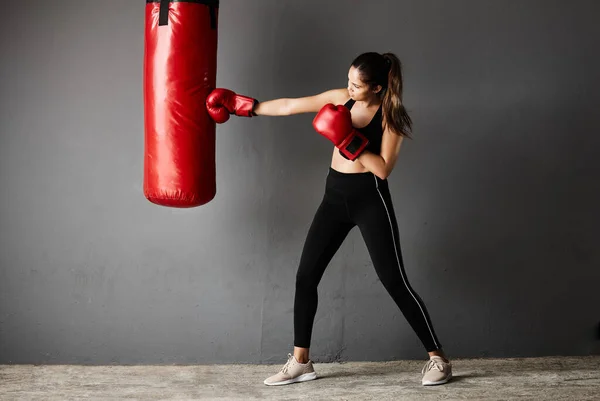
377 223
329 228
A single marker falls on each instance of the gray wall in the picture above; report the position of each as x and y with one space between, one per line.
497 197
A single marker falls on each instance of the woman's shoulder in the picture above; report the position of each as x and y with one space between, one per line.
338 95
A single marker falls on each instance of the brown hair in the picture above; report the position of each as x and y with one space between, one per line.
386 70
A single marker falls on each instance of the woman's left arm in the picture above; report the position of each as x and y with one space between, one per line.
382 164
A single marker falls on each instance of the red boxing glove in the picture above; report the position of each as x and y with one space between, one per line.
221 103
335 124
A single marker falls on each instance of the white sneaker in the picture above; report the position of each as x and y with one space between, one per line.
436 371
292 372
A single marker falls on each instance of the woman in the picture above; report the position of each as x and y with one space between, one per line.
368 141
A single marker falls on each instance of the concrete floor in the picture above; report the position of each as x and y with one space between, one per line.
556 378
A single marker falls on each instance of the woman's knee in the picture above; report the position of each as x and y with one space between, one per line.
306 281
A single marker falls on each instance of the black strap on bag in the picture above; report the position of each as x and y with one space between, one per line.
163 16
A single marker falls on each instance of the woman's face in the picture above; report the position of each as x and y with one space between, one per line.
357 89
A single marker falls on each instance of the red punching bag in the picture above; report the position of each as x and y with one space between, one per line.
180 63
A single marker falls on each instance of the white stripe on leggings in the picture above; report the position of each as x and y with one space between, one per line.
398 261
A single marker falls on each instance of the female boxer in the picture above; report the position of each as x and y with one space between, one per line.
368 131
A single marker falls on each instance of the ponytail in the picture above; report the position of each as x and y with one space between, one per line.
395 115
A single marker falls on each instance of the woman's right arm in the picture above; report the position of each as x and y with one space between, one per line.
308 104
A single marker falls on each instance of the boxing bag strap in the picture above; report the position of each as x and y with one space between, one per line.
163 16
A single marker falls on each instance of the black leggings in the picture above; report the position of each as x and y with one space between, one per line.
362 200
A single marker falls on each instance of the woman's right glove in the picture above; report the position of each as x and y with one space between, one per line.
221 103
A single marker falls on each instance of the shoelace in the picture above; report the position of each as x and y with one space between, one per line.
433 364
287 364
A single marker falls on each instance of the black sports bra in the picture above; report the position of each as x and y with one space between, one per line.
372 131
